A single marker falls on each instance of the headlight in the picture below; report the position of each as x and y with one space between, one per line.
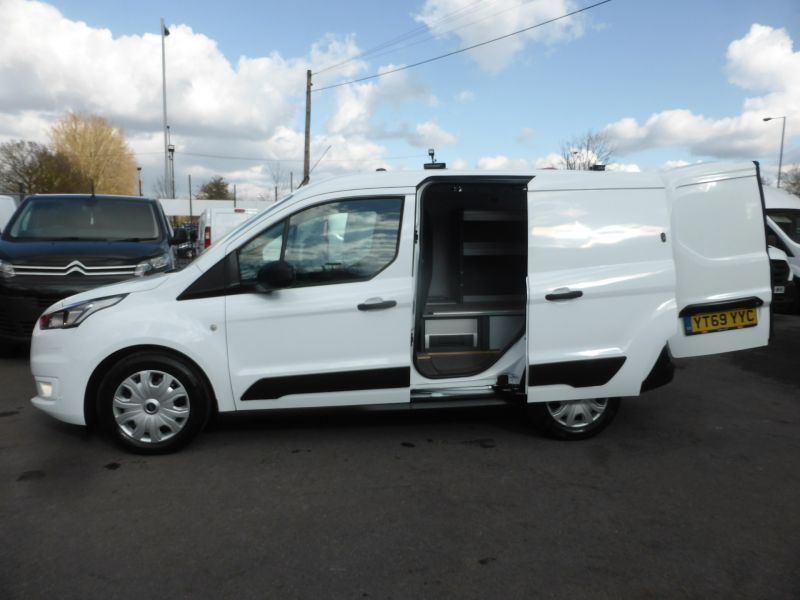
153 265
6 269
72 316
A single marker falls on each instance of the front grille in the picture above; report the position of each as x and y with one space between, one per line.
75 267
19 313
779 272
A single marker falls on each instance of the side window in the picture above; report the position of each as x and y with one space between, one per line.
343 241
350 240
263 248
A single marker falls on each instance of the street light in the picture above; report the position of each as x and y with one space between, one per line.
783 132
164 34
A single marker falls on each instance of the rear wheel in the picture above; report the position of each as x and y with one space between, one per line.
575 419
153 403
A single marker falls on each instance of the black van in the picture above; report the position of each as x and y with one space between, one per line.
55 246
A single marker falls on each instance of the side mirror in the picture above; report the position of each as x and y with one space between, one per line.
275 275
180 237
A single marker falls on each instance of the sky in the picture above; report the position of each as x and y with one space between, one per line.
668 83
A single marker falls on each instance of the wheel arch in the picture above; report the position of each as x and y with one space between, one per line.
90 399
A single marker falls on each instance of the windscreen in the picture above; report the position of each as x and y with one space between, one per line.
788 220
89 219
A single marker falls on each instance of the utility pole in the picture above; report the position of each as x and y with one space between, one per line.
307 150
291 181
234 195
190 197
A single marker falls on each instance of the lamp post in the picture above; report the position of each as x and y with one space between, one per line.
164 34
139 174
783 133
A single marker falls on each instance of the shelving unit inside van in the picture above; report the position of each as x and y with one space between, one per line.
478 270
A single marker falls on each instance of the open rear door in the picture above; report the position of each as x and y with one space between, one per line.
723 288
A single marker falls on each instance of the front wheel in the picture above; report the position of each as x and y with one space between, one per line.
574 419
152 403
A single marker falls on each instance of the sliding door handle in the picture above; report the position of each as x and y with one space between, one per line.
563 294
376 304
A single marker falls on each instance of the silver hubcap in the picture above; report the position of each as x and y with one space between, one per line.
577 414
151 406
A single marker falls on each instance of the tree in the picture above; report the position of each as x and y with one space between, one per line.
582 152
161 188
790 180
215 188
97 151
280 179
31 168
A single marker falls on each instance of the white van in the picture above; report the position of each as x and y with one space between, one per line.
7 207
559 291
783 228
214 223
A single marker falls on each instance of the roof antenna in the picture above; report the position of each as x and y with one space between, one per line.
433 164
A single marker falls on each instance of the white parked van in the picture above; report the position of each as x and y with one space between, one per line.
214 223
561 291
7 207
783 228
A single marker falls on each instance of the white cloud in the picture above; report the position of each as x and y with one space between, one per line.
674 164
623 167
430 135
464 96
357 103
763 60
502 163
551 161
473 24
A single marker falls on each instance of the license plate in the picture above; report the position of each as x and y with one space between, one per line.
720 321
778 289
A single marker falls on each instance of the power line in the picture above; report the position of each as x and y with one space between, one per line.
459 51
287 160
396 40
446 32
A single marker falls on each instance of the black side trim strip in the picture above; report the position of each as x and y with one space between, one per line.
706 307
577 373
272 388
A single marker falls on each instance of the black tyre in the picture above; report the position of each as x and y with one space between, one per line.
574 420
153 403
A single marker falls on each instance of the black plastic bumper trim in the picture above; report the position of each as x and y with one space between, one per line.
273 388
576 373
707 307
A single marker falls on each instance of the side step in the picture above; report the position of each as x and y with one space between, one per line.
464 397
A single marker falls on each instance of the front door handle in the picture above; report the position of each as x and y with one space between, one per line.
563 294
376 304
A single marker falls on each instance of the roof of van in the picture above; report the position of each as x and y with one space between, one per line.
98 196
543 179
778 198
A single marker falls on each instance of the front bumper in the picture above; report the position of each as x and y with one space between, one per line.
60 374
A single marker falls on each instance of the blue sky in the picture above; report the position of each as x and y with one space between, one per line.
659 77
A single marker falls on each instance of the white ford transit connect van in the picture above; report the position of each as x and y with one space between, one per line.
558 290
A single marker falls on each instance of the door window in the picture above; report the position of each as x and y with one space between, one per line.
337 242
